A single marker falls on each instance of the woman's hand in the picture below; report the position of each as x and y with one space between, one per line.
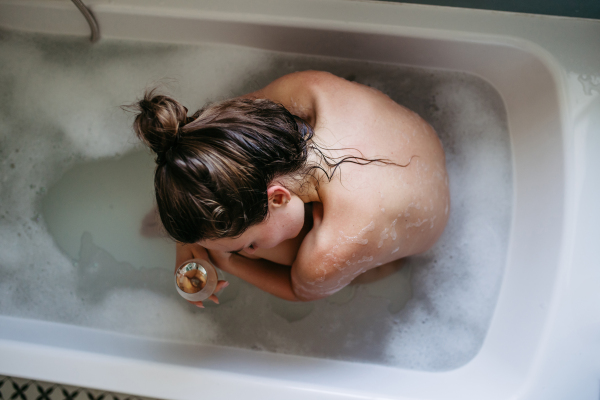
186 252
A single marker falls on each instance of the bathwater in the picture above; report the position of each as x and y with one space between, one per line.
75 186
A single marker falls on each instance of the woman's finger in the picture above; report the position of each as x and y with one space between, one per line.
214 299
221 285
197 303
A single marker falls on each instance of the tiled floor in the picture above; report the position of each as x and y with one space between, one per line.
12 388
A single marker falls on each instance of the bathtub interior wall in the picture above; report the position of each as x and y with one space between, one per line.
520 73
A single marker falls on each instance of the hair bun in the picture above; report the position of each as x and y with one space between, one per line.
158 121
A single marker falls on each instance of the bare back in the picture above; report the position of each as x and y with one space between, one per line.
367 215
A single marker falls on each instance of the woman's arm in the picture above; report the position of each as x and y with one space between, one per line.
318 271
266 275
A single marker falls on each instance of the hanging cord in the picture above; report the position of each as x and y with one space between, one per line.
89 17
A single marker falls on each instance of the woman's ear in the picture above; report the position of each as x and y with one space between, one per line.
278 196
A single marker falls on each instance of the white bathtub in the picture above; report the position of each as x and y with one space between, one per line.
542 342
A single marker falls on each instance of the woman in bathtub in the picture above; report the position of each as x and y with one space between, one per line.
297 188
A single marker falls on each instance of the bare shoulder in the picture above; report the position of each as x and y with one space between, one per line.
336 250
295 83
298 92
306 77
318 83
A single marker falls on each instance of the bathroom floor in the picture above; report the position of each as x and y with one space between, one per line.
25 389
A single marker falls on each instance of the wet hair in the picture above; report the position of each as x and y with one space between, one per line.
213 168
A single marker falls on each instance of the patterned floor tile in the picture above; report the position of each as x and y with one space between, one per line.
13 388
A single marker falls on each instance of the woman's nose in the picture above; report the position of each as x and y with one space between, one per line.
250 250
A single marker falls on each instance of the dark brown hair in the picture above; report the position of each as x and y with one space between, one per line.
214 168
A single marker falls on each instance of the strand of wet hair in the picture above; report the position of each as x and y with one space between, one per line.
334 166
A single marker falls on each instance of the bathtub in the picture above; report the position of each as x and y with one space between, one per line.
542 340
